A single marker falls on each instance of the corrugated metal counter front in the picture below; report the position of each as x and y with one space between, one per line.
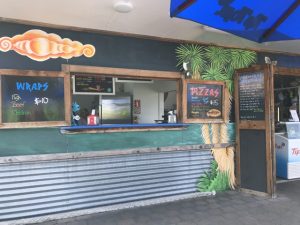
33 186
45 174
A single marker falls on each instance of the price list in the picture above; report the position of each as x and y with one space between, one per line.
32 99
204 101
86 84
252 96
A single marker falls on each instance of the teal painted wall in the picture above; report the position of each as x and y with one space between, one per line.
111 51
36 141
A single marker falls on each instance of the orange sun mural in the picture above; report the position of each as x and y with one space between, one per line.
40 46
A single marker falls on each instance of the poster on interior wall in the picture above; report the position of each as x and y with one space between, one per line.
203 101
41 46
137 106
84 84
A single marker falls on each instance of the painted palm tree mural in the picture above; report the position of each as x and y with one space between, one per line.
216 63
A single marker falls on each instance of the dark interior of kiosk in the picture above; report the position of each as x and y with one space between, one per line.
135 101
286 98
287 127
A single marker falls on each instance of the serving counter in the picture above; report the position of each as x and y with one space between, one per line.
108 128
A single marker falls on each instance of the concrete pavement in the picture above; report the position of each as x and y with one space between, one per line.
228 208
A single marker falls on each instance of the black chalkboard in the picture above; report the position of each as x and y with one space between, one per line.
93 84
252 96
253 160
32 99
204 101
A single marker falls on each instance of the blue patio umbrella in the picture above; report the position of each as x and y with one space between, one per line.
256 20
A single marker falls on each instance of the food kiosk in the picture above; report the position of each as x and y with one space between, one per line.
49 167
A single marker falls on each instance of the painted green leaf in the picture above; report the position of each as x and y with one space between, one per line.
193 54
217 56
242 58
213 180
213 73
215 63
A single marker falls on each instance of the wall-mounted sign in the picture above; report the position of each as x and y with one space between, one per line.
40 46
33 100
30 99
86 84
251 96
203 101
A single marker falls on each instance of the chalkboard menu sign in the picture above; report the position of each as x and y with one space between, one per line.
204 100
93 84
252 96
32 99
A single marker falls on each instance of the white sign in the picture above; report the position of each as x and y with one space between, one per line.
294 115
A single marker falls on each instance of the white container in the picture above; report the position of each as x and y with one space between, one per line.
171 118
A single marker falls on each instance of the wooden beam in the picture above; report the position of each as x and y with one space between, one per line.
182 7
237 131
0 101
68 99
32 73
272 163
122 72
278 22
91 154
33 124
285 71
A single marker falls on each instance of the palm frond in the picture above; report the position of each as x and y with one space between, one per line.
242 58
213 180
218 57
213 73
229 72
193 54
230 86
214 63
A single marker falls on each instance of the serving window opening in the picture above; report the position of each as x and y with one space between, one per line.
117 100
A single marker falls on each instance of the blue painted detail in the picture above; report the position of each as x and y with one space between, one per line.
281 167
75 107
110 126
75 115
25 86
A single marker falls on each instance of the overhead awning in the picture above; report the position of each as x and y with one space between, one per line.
256 20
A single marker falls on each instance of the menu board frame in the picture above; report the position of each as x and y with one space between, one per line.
33 73
95 92
186 119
